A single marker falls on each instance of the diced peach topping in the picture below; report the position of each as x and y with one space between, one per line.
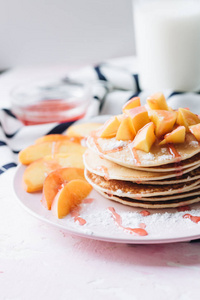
139 117
157 101
195 130
144 138
110 128
126 130
177 136
132 103
187 118
163 120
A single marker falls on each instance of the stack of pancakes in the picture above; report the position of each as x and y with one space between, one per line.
166 177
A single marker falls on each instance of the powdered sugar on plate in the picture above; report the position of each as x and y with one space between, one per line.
160 225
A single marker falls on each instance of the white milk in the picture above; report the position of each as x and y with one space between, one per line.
168 44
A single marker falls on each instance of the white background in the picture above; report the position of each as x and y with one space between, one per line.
64 31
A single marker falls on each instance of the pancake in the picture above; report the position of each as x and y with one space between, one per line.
152 205
138 191
146 158
120 152
105 168
190 162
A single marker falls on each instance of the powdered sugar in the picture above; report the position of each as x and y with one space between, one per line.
119 192
160 224
113 144
164 157
194 144
148 156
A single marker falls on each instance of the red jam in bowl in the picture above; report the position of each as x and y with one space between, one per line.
50 101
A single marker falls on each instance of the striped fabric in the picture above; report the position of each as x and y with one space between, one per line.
112 86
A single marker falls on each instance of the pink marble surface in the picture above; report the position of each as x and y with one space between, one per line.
39 261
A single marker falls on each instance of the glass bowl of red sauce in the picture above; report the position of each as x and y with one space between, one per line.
47 101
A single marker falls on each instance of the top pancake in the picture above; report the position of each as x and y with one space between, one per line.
120 152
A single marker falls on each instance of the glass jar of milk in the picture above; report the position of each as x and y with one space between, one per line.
167 34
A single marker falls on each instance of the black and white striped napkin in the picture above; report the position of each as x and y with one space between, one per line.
112 84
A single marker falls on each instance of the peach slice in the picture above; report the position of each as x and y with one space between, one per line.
110 128
37 151
69 196
187 118
163 120
36 172
144 138
126 130
55 179
157 101
132 103
139 117
177 136
56 137
82 130
195 130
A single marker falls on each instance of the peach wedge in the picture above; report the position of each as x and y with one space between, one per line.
36 172
187 118
55 179
139 117
69 196
82 130
37 151
132 103
195 130
126 130
144 138
110 128
177 136
56 138
164 121
157 101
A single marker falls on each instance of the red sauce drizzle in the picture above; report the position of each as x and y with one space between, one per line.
134 154
138 181
175 154
75 213
110 194
194 219
180 191
178 168
118 220
183 208
104 170
87 200
144 213
142 225
95 138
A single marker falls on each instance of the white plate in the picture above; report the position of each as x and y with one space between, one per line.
163 226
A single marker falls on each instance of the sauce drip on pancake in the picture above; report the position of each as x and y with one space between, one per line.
178 168
135 156
173 152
